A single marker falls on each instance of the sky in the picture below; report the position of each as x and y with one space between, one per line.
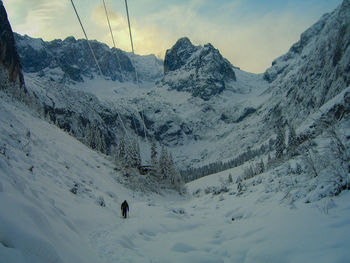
249 33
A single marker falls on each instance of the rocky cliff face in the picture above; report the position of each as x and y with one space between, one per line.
9 58
316 68
202 71
71 60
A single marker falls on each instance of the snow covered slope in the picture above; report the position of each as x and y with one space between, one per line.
43 221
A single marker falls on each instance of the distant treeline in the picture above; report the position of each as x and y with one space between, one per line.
195 173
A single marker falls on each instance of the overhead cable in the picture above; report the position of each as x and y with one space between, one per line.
110 29
82 27
133 53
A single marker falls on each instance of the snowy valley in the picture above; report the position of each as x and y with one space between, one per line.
274 147
42 220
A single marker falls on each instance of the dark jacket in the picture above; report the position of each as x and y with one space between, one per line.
124 206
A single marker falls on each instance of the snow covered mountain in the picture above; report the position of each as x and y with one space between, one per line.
71 60
98 109
315 69
60 200
202 71
203 108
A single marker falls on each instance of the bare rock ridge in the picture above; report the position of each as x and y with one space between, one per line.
9 58
73 58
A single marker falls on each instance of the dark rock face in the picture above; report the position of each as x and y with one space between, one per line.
83 117
177 56
202 71
8 53
74 58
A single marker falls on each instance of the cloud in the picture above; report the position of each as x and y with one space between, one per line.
251 43
41 10
98 15
37 18
118 23
255 45
147 36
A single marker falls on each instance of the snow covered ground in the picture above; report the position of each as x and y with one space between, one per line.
41 220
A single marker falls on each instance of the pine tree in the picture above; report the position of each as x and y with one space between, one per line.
230 180
132 156
163 163
174 176
136 156
154 160
171 169
113 153
292 139
260 167
248 172
121 151
269 160
280 144
129 155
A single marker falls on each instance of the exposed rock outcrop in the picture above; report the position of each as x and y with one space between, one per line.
71 60
9 58
202 71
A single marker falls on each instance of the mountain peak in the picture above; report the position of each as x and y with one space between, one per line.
70 39
184 41
197 69
177 56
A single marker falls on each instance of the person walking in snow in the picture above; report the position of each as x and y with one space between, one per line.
125 208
